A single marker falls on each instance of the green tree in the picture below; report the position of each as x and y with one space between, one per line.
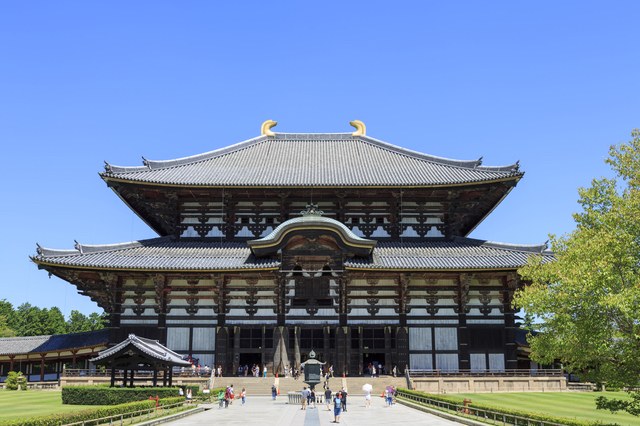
6 310
78 322
29 320
14 379
589 297
54 322
98 320
5 331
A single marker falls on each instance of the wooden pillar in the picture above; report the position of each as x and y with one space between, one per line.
387 350
125 373
42 368
74 358
11 363
164 377
155 375
131 380
113 375
170 375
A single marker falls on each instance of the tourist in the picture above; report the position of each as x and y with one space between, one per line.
393 393
198 370
189 396
219 371
373 371
367 398
395 371
286 370
182 371
331 371
181 392
297 374
305 395
265 370
387 397
227 397
220 399
193 369
246 369
243 395
240 371
274 391
231 394
343 397
337 407
312 398
327 398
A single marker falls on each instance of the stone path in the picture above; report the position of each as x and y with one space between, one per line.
262 411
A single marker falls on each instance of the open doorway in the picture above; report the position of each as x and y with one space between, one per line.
249 360
376 360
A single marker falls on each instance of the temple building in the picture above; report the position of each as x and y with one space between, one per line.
287 243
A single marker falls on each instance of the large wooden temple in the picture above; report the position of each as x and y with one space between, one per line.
286 243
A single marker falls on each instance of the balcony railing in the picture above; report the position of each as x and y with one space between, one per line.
140 374
483 373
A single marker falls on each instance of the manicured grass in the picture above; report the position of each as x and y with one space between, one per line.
33 403
579 405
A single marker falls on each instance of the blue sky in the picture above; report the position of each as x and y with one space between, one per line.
551 84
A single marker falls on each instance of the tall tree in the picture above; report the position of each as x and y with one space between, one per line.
29 320
97 320
78 322
6 310
5 331
55 323
589 297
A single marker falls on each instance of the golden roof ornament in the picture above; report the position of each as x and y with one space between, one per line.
265 130
361 129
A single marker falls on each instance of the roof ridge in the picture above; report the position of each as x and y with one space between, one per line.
465 164
111 169
526 248
81 249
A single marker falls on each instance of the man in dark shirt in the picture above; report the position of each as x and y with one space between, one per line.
327 397
344 399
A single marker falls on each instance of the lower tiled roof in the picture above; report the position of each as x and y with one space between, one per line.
168 253
58 342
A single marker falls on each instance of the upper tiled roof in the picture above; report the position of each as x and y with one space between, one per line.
152 348
317 159
35 344
169 254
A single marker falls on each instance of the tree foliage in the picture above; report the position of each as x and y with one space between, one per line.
589 297
28 320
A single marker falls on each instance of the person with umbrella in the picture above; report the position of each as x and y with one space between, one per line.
388 395
367 388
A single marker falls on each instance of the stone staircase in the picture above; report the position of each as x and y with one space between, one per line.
262 385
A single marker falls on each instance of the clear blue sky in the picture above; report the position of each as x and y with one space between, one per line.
551 84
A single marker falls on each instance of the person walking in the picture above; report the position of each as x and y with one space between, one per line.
343 397
246 369
373 371
367 398
231 394
265 371
305 394
331 371
327 398
337 408
312 398
387 397
189 396
395 371
274 391
227 398
220 399
243 395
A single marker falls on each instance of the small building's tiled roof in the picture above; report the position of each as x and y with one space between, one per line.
316 159
169 254
58 342
521 336
152 348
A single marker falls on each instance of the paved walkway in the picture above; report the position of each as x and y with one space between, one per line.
261 410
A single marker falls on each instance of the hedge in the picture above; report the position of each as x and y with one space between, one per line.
87 415
106 395
506 411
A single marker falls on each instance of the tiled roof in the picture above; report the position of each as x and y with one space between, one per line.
461 253
521 336
317 159
169 254
164 253
34 344
150 347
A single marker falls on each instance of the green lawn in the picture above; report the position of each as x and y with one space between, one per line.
579 405
33 403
